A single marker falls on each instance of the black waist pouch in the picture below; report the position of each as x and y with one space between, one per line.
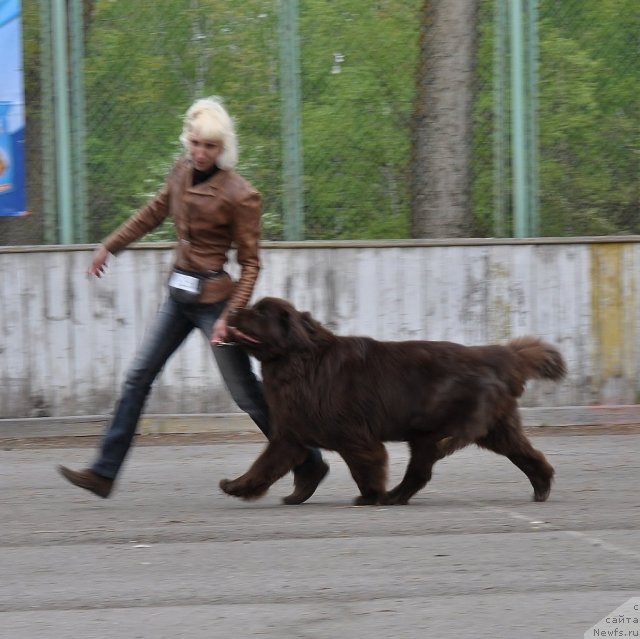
186 286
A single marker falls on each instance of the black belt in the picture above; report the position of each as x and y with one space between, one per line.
206 275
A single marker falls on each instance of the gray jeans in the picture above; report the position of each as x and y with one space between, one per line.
171 327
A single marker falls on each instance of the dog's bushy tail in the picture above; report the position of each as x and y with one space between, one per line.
537 359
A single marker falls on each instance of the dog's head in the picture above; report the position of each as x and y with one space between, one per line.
273 328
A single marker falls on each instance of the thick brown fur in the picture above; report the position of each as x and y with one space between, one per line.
351 394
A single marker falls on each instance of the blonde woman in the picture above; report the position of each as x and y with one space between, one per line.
201 293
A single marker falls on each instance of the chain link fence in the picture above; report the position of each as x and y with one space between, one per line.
590 117
143 63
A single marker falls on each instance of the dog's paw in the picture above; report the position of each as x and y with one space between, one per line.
237 488
234 487
542 494
395 498
541 489
228 486
361 500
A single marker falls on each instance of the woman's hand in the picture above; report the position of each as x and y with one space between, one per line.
220 332
99 262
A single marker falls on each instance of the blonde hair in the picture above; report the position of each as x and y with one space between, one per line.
208 119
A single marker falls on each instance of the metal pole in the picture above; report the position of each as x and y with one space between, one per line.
61 106
518 141
47 125
532 119
293 195
500 118
78 130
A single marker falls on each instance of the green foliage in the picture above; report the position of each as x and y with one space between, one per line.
588 119
358 68
147 62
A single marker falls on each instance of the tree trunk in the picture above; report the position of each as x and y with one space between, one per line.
442 126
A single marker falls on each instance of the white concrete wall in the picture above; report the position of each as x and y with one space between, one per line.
66 341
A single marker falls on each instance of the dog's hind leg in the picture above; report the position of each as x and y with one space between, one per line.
277 459
425 452
368 466
508 439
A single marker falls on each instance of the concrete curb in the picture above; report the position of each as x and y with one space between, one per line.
239 423
226 423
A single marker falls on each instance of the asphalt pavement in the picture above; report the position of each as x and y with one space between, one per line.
170 556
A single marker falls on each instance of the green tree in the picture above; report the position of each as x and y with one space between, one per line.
362 68
442 134
588 119
358 63
146 63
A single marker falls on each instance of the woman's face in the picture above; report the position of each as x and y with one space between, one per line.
203 153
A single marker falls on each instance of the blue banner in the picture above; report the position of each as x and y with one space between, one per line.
12 113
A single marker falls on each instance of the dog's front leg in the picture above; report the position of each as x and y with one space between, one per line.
277 459
368 465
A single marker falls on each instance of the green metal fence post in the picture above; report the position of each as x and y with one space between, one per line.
500 130
78 120
293 200
518 139
47 126
532 115
61 106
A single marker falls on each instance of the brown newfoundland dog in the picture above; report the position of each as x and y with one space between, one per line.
351 394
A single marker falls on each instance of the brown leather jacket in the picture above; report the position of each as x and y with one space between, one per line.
208 218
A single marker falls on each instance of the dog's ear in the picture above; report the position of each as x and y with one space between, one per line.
310 325
316 332
295 329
